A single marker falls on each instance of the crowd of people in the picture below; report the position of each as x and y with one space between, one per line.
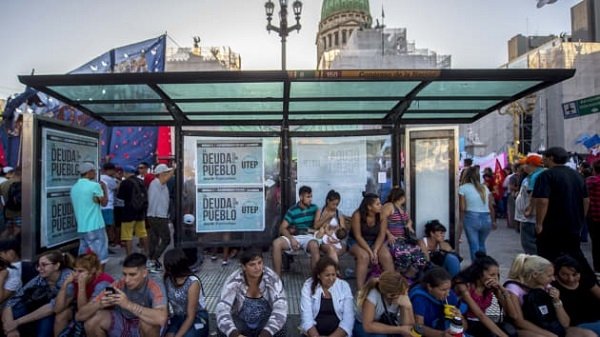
406 286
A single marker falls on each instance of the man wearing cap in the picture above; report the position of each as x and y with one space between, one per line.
87 197
133 213
561 203
524 206
158 214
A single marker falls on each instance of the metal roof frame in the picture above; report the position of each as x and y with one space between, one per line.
401 111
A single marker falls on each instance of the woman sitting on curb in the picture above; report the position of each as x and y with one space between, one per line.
327 304
380 302
30 311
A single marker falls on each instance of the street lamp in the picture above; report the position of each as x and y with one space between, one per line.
283 30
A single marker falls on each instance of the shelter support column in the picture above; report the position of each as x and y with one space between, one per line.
397 169
179 172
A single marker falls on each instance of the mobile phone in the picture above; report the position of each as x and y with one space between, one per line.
110 290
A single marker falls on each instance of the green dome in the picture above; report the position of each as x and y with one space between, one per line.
331 7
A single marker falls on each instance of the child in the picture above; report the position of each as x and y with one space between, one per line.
332 235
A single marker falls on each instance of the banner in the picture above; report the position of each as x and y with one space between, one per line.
229 209
62 153
58 219
229 162
124 146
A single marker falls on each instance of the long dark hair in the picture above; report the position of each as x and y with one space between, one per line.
395 194
475 271
331 196
363 209
323 263
176 265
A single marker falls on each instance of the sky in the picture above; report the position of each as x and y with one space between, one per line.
57 36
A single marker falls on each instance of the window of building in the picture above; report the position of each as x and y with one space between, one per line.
344 36
329 40
336 36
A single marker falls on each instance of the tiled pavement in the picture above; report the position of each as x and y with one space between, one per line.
503 245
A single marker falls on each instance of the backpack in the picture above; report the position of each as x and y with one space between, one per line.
13 201
539 310
139 196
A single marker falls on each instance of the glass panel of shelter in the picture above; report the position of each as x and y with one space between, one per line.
476 88
350 165
80 93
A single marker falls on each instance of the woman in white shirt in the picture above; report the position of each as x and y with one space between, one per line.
327 304
477 215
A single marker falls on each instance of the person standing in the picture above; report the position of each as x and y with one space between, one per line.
135 204
87 196
561 202
525 210
158 214
477 214
593 216
108 212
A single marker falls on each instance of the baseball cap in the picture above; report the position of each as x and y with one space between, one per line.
162 168
7 169
534 159
129 169
86 167
188 219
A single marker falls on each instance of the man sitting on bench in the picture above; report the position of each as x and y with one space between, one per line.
294 231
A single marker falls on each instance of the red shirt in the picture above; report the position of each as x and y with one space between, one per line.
593 186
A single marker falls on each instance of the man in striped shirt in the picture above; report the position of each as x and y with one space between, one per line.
294 231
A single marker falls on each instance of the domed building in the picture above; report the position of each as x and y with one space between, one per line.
347 40
339 19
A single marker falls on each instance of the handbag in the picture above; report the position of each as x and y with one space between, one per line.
387 317
35 297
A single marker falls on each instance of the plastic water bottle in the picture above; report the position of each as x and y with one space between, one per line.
456 327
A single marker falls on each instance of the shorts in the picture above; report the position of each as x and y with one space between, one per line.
96 241
109 216
303 240
127 230
122 326
352 241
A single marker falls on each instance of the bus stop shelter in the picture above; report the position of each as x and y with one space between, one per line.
282 106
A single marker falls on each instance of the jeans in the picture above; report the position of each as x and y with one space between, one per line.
43 327
528 240
359 331
477 227
594 326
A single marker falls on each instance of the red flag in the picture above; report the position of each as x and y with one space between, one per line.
499 177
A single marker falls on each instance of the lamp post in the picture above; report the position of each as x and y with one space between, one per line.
283 30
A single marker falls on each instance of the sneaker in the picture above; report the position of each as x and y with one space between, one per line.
224 263
213 258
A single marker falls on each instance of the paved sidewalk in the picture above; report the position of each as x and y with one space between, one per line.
502 244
